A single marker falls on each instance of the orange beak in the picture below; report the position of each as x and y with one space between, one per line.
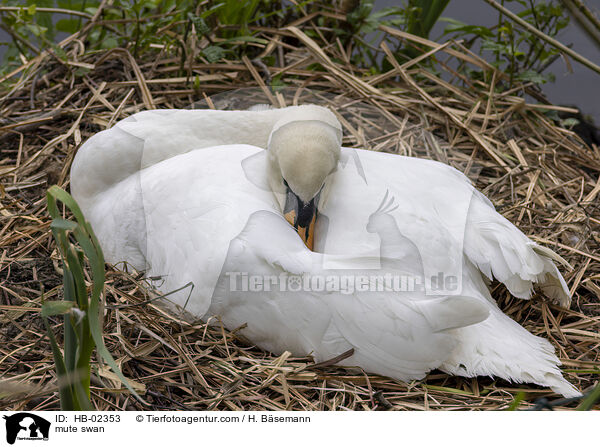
307 234
302 216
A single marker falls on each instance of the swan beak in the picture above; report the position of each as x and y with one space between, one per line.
308 233
302 216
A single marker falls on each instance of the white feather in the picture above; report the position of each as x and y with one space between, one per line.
189 215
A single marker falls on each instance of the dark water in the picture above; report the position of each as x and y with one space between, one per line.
580 88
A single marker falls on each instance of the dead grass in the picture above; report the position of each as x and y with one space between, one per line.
540 176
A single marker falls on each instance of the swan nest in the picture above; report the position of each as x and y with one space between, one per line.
540 176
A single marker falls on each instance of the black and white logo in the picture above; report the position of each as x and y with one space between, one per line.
26 427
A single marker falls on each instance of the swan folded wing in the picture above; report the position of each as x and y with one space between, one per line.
193 215
120 225
404 202
259 288
167 133
400 336
275 243
452 312
500 250
149 137
103 161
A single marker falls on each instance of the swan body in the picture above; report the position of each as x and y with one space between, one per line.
206 207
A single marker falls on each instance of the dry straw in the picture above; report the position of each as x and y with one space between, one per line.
540 176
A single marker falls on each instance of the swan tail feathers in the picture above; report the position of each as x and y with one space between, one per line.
502 348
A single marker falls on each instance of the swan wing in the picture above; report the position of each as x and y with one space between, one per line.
175 219
500 250
402 335
438 210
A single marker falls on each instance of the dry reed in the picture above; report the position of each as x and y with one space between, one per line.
540 176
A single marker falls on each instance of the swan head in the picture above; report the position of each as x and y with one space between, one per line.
302 155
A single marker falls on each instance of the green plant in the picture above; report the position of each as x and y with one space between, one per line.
127 23
238 13
139 24
590 399
215 30
422 15
520 53
360 33
80 309
414 16
514 405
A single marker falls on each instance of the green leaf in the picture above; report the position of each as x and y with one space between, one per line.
495 47
68 25
245 39
531 76
63 224
109 42
36 29
90 334
590 400
516 402
569 122
213 53
64 388
456 26
277 83
59 52
56 193
199 25
212 10
51 308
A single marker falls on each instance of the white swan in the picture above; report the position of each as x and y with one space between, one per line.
403 247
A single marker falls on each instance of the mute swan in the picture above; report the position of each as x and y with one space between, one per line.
403 247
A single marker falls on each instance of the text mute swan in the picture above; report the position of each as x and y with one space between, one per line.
403 247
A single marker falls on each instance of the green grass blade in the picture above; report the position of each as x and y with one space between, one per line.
81 393
70 337
64 387
590 400
51 308
516 402
448 390
86 239
435 10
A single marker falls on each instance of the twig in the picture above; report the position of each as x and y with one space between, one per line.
56 10
585 18
519 21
